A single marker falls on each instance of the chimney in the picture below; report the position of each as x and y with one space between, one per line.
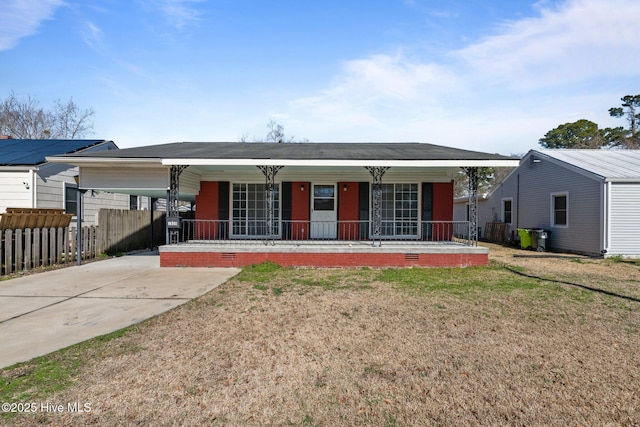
5 137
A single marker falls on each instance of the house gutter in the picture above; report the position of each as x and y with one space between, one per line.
102 161
339 162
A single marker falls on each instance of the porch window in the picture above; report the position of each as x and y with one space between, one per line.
249 210
399 210
559 209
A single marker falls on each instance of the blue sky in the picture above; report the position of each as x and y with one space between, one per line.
491 76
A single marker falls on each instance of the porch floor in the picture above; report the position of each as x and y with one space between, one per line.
229 253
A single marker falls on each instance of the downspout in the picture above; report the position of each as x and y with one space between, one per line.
606 232
517 202
32 187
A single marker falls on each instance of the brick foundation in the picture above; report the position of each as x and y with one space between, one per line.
308 259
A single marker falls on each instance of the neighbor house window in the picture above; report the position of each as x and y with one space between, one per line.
249 209
399 209
507 209
560 209
71 199
133 203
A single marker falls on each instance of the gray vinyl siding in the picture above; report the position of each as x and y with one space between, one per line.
490 210
532 204
624 235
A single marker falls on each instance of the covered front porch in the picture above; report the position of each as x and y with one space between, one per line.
311 204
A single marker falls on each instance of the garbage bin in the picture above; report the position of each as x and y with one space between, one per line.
543 240
525 238
534 239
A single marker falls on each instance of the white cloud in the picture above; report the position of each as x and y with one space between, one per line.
504 91
92 35
576 41
21 18
179 13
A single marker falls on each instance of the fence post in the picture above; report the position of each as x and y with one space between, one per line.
18 245
37 259
45 246
27 249
59 245
52 245
8 251
74 243
92 242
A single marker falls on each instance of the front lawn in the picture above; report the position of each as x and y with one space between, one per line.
509 344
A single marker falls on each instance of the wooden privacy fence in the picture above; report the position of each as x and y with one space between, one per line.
25 249
495 232
124 230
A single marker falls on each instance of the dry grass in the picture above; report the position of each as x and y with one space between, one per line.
482 346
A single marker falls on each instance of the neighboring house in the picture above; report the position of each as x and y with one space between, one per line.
301 194
588 199
28 180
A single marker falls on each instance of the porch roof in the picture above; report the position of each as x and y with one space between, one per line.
292 154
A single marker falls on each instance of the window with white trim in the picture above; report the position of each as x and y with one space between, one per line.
249 210
560 209
507 210
399 210
71 199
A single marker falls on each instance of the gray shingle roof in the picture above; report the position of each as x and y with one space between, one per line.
608 164
32 152
297 151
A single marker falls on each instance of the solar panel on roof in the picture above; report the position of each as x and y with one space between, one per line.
28 152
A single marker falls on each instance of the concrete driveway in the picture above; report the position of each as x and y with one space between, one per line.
44 312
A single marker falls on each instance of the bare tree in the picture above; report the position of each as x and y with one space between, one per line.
488 179
276 132
26 119
70 122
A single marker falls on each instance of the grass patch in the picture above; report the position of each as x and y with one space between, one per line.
260 273
43 376
456 281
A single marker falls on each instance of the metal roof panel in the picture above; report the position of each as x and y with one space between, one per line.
611 165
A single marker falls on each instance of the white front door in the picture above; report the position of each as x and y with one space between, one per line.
324 211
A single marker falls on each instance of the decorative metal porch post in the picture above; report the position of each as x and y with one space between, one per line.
269 195
173 208
377 172
472 175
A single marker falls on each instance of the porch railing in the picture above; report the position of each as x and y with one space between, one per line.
251 232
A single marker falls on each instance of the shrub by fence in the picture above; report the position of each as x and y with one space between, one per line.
29 248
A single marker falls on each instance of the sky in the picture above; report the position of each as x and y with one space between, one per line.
491 76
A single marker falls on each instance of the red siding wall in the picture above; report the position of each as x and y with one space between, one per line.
442 208
300 212
207 200
348 210
207 208
443 201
